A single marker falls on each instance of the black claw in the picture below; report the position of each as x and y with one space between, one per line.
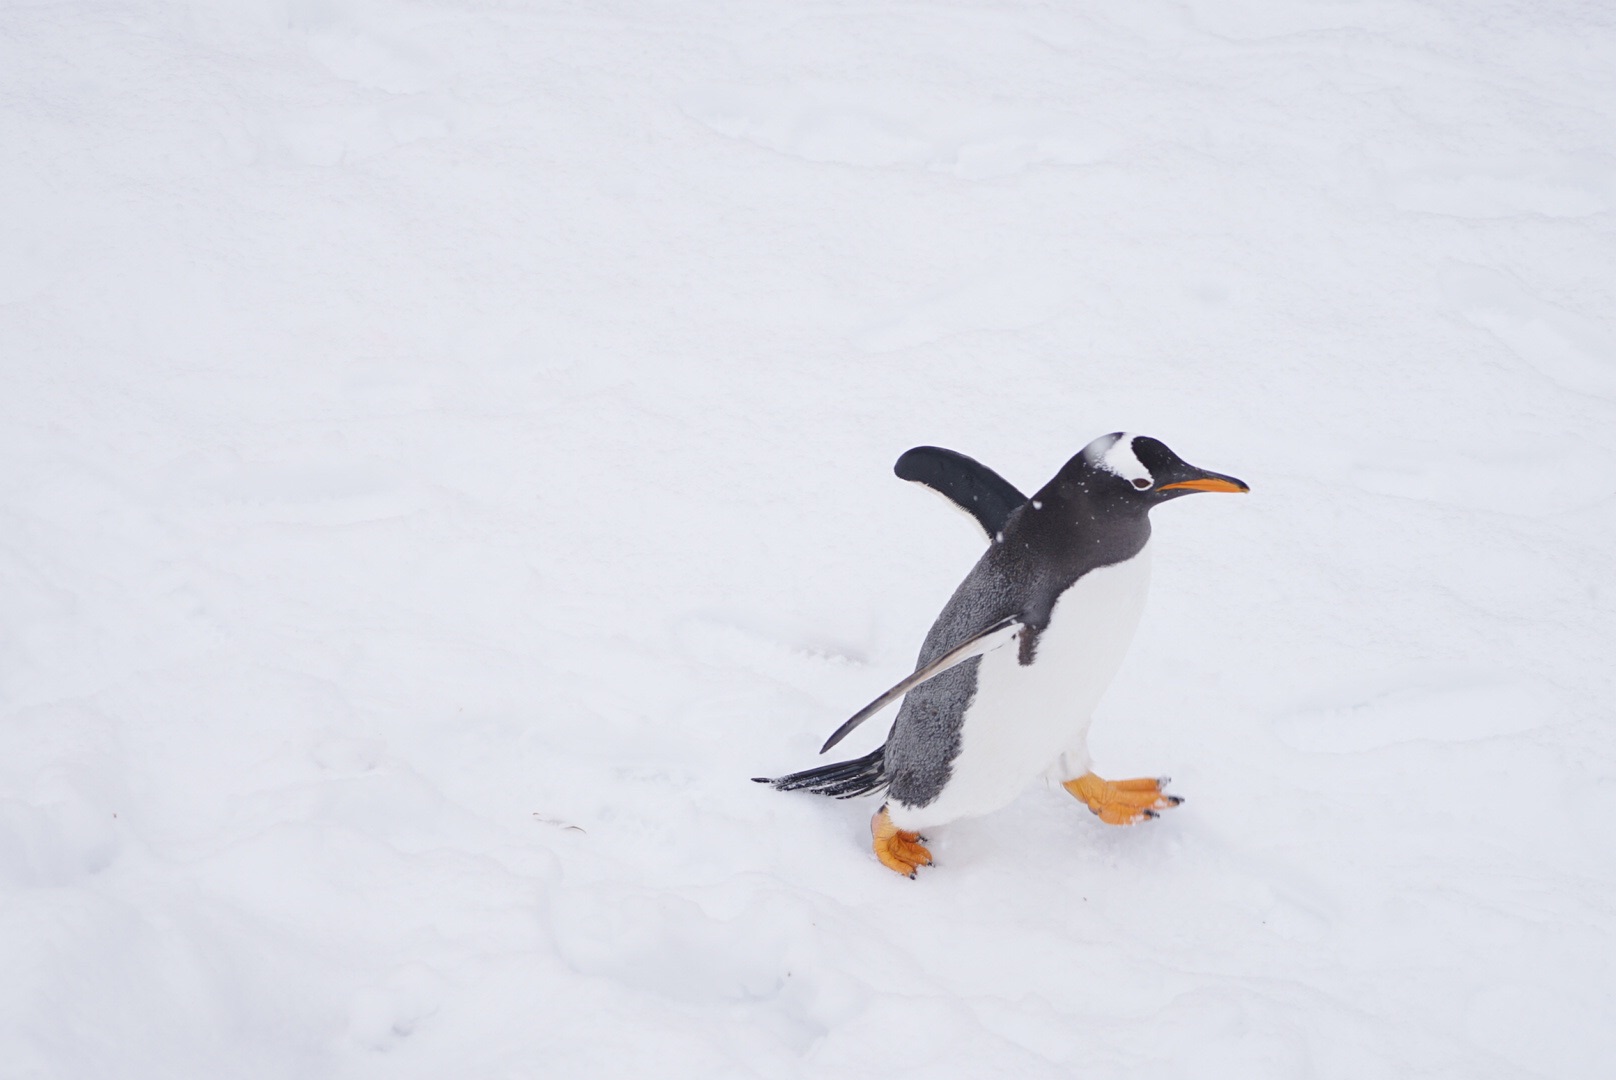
1151 814
762 780
1174 800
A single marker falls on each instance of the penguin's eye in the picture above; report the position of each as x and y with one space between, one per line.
1141 483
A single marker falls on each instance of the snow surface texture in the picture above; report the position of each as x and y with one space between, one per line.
446 453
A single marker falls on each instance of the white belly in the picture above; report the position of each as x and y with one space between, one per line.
1024 721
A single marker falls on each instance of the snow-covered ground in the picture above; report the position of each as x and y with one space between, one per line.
445 451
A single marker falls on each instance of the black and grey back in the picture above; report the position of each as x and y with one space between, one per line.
925 738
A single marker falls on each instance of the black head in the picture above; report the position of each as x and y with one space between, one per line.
1138 471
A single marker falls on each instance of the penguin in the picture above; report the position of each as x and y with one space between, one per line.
1008 676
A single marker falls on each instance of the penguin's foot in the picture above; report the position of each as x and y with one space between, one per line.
1122 802
897 850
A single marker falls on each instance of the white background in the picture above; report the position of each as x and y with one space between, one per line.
445 451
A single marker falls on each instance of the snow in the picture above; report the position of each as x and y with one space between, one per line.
447 453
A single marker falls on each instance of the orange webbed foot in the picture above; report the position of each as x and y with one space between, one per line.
897 850
1122 802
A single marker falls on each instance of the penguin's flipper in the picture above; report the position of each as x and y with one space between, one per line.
966 482
998 634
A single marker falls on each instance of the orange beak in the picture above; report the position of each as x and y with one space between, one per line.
1208 483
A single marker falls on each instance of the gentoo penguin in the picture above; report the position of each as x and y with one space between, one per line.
1010 673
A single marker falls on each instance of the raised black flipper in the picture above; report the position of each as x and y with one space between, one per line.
966 482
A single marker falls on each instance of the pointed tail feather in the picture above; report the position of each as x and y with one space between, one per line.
843 780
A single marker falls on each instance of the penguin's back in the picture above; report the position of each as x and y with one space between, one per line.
913 764
972 739
925 736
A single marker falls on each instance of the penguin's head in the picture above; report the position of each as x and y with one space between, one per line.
1142 471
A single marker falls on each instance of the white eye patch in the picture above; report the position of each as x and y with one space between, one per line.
1120 459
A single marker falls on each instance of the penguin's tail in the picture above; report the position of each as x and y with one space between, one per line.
842 780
